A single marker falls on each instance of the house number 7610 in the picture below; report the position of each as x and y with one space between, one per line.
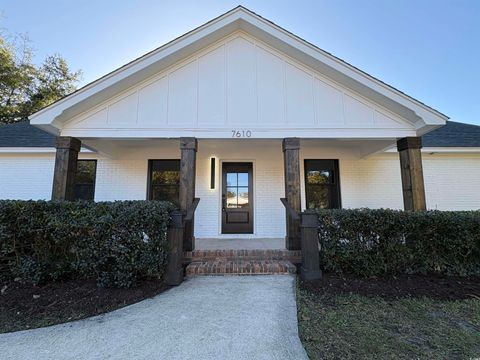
241 133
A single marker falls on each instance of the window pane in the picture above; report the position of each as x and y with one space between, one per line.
84 192
320 177
319 197
85 172
165 180
242 179
243 197
167 177
173 165
85 180
165 193
232 197
231 179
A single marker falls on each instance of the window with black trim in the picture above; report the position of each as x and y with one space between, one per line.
164 180
322 184
85 179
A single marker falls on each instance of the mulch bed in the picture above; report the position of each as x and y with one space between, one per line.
24 306
404 286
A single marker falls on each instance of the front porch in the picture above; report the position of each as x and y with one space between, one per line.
309 173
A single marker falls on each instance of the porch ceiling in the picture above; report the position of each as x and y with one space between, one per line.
158 148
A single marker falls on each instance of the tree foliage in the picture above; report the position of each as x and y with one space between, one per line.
25 87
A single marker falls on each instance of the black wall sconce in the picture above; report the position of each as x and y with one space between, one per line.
212 173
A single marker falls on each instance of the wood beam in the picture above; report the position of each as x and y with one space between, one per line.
188 159
291 157
65 168
412 173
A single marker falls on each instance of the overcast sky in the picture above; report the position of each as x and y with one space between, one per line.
429 49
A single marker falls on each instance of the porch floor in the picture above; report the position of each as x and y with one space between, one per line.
240 244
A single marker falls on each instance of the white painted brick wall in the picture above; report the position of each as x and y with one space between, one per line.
26 176
121 180
451 181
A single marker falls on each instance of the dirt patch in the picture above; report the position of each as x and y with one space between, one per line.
405 286
23 306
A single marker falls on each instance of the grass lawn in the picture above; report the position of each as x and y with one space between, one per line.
343 319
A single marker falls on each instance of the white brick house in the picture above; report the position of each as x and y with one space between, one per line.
232 92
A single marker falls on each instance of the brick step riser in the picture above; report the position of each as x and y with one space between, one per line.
210 268
245 258
293 256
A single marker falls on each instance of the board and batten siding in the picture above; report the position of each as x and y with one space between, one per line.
238 83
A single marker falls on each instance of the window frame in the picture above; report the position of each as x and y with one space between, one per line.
94 185
329 164
150 173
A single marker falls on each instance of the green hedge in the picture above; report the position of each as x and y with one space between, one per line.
369 242
115 243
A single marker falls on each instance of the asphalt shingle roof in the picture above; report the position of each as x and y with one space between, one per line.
454 134
22 134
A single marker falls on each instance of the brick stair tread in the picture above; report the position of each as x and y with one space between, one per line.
240 267
206 255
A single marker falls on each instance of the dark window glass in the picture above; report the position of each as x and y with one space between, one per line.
164 180
237 190
85 179
322 184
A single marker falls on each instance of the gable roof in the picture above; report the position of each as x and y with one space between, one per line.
22 134
418 114
453 134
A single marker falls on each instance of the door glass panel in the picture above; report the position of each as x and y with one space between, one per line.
231 179
243 197
232 197
242 179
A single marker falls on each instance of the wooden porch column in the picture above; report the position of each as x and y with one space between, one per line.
412 173
188 157
65 168
291 157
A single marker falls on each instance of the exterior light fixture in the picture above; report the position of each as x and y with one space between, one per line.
212 173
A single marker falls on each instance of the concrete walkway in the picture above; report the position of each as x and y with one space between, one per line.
244 317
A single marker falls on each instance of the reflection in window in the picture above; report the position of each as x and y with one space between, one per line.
319 177
164 181
322 189
85 179
237 190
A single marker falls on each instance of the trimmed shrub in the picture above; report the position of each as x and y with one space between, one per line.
370 242
115 243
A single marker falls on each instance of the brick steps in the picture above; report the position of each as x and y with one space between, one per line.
241 262
240 267
210 255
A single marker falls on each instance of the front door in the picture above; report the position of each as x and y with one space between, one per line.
237 198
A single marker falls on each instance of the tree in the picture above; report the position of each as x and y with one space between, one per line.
26 88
